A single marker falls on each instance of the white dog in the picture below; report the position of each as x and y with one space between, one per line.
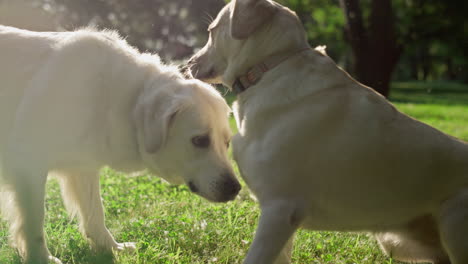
71 103
321 151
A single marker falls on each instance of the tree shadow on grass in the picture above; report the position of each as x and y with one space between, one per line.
88 256
98 258
441 93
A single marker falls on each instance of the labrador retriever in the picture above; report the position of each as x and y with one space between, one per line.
324 152
73 102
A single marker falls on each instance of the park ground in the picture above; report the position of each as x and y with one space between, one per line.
171 225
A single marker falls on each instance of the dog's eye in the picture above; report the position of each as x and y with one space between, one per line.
201 141
227 144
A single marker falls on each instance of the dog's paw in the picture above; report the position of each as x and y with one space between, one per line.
126 246
54 260
45 260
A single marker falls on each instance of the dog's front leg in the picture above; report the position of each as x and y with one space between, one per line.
278 222
81 194
27 179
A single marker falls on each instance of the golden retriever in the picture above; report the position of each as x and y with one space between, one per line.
73 102
322 151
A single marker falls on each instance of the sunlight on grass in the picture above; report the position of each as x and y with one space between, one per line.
171 225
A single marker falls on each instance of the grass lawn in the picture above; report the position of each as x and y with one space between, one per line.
171 225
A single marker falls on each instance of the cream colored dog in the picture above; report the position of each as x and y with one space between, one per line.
321 151
71 103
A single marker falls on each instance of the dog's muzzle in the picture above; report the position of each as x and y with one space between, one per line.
229 188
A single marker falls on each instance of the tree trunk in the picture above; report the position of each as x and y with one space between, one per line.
375 48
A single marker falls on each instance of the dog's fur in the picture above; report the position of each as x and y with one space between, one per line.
73 102
322 151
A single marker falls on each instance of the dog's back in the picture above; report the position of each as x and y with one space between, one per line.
63 69
22 54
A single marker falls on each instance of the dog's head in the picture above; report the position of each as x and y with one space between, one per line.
183 135
244 33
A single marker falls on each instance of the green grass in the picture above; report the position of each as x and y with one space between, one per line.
441 105
171 225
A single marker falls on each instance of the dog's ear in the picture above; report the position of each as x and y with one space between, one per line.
154 116
155 128
248 15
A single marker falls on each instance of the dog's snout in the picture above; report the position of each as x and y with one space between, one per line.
230 187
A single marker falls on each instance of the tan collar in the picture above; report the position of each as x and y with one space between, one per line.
256 73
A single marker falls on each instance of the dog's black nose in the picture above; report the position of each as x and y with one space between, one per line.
230 187
192 187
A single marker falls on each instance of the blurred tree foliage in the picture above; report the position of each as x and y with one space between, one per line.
370 31
324 23
427 39
171 28
435 38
